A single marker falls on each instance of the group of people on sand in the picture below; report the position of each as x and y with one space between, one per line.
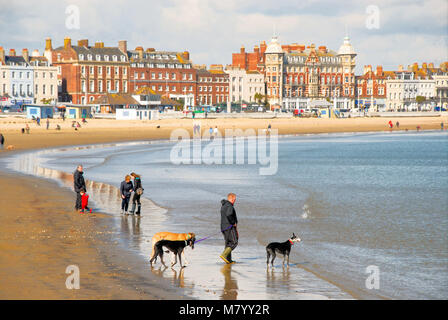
131 187
128 189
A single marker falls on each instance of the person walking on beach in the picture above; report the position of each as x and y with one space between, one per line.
2 141
215 131
126 189
441 126
48 123
79 184
229 230
138 191
38 121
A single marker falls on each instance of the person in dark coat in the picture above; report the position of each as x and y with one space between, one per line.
126 189
78 185
2 141
229 230
138 191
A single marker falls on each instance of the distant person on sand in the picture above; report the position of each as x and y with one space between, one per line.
27 128
38 121
391 125
48 123
397 124
138 191
229 230
215 131
126 191
2 141
441 125
79 184
269 128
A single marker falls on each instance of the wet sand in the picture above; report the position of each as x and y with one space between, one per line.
41 234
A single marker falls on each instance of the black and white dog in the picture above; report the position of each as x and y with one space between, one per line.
283 248
177 247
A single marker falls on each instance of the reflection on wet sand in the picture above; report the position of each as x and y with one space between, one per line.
177 277
274 281
230 290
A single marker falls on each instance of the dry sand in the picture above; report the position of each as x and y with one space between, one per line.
40 234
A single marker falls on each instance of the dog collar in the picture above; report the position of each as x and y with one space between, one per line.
292 242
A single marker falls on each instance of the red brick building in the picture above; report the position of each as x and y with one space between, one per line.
86 73
169 74
250 61
212 86
371 87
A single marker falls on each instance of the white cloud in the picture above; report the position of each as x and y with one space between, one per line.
410 31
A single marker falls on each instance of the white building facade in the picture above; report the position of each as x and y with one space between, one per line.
245 85
402 93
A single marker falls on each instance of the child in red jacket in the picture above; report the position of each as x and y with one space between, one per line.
84 201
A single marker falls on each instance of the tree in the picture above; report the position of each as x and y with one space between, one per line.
419 100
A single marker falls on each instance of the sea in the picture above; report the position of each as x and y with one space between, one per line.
371 210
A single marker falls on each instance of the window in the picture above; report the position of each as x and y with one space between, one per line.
117 71
117 85
108 70
92 86
125 86
100 70
100 85
91 70
125 71
108 85
51 89
43 89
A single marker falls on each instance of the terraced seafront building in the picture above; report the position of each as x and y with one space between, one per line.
26 79
296 74
170 74
85 72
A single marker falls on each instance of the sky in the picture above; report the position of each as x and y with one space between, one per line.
383 32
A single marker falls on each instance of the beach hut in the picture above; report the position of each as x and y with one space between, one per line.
41 111
78 111
136 114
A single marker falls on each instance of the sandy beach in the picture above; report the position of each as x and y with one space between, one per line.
38 240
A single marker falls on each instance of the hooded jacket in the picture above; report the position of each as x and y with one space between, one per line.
228 215
78 181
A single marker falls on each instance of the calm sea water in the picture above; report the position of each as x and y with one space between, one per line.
356 200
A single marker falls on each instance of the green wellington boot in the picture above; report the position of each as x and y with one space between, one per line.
225 254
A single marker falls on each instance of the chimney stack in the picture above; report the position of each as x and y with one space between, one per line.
400 67
26 55
2 54
123 46
99 44
322 49
186 55
48 45
242 49
12 52
67 42
83 43
379 71
140 52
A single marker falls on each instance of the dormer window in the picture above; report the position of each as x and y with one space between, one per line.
106 58
114 58
98 57
81 57
89 57
123 58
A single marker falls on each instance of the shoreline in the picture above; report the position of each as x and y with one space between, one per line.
29 276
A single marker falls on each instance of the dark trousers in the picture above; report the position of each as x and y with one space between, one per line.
125 203
230 238
136 198
78 205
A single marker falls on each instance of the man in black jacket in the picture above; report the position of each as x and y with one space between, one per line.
78 184
229 223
